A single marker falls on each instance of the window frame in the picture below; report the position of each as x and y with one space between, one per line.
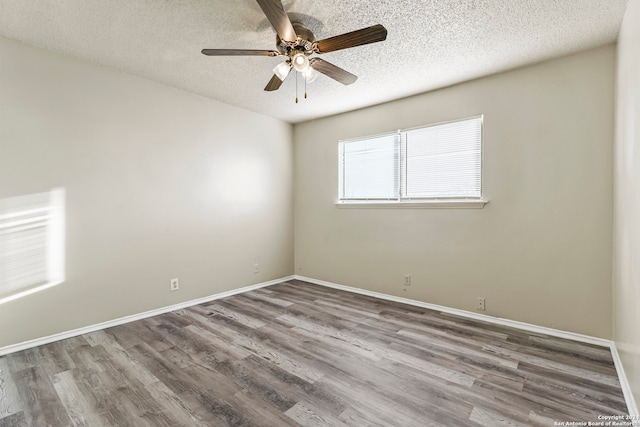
402 200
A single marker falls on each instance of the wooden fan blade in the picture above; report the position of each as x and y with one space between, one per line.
330 70
274 83
376 33
279 19
239 52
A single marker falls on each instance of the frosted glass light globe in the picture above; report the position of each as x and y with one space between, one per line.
300 62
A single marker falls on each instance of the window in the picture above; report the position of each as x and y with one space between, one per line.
370 168
441 162
31 243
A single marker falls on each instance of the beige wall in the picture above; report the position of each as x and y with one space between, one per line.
159 184
626 271
148 172
539 252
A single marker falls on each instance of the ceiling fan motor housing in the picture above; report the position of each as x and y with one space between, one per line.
304 42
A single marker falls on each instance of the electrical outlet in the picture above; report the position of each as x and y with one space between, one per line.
175 285
407 280
480 306
256 268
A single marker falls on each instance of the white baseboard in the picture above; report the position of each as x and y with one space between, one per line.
468 314
110 323
624 383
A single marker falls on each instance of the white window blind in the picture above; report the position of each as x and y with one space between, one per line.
441 161
369 168
31 243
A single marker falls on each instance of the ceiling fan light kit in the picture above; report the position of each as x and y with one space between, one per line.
297 43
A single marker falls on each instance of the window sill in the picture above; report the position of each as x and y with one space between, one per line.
427 204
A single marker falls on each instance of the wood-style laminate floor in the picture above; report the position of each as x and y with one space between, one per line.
301 354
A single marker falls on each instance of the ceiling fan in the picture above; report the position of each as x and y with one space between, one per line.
297 43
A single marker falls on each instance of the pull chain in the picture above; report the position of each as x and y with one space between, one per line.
296 87
305 88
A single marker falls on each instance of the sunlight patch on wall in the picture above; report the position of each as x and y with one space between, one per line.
32 243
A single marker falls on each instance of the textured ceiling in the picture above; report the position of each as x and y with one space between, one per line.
430 43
